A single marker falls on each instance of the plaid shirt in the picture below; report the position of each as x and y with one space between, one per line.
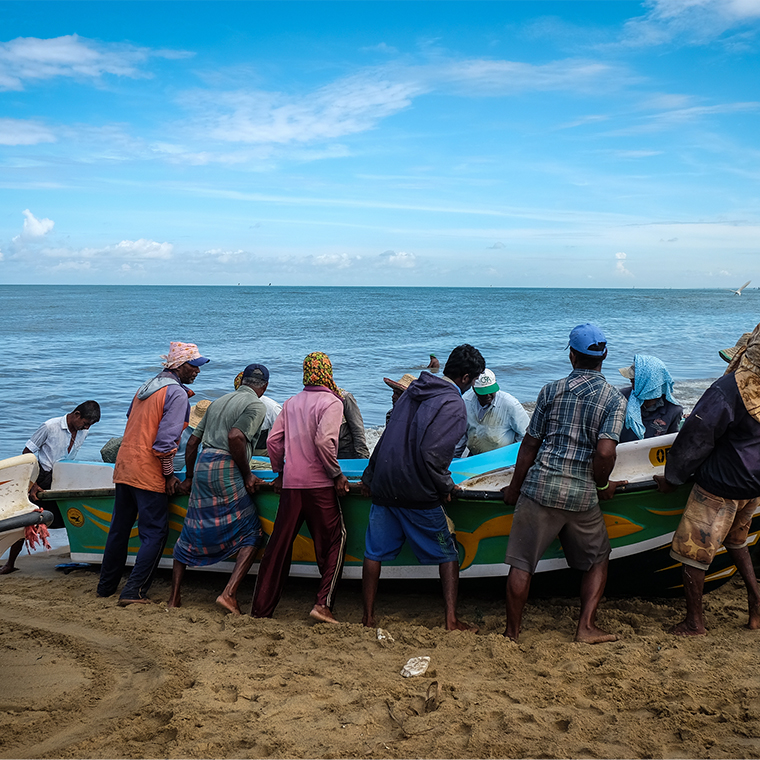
571 415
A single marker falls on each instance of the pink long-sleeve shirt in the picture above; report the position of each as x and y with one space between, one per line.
303 442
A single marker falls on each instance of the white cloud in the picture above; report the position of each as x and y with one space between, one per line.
23 132
33 227
347 106
495 246
335 260
620 267
140 249
27 59
401 260
693 21
381 47
224 257
76 266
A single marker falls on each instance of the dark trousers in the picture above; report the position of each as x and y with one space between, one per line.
319 508
151 510
44 481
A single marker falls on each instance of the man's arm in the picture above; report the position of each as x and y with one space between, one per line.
326 438
519 420
526 456
601 467
238 445
191 454
438 443
169 431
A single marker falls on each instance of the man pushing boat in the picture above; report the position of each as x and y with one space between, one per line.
144 473
719 444
409 481
221 516
562 472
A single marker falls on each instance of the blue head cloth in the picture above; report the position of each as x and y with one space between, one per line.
651 380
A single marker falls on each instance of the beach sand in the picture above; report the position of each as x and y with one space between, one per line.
84 678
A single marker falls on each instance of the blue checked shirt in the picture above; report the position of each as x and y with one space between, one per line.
571 415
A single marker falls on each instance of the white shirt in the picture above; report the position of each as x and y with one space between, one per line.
51 442
502 422
273 411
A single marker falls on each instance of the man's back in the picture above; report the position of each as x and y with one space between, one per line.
409 467
303 442
571 415
241 409
720 444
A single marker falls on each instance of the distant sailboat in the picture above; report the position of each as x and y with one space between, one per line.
739 292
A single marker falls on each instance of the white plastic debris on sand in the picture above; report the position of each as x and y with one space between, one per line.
416 666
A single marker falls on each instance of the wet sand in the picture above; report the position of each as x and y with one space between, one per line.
84 678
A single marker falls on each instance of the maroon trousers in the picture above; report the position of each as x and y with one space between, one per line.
320 509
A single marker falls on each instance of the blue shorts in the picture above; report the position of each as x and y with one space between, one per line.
426 531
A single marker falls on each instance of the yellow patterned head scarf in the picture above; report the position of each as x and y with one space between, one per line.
238 380
317 370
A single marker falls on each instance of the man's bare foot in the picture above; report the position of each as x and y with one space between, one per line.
369 622
458 625
511 636
174 602
754 618
230 604
323 614
7 569
594 636
685 628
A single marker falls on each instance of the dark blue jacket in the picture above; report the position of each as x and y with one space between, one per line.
410 465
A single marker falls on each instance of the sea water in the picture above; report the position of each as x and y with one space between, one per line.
65 344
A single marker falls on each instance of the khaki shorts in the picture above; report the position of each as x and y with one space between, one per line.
709 521
583 535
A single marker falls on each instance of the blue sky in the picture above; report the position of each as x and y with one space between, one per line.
557 144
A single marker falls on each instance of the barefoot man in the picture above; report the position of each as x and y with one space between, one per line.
719 444
408 480
562 472
303 449
221 515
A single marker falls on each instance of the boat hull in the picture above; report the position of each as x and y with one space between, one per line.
640 525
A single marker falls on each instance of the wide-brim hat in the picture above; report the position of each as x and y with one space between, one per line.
197 413
402 384
486 383
628 372
729 353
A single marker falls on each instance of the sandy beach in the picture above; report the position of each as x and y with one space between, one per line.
85 678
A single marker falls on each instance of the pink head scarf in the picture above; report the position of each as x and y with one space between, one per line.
179 353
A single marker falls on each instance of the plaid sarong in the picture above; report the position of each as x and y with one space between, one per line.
221 516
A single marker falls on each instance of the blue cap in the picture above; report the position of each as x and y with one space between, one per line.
198 362
584 336
258 371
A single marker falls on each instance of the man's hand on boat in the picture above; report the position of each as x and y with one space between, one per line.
277 484
511 494
34 492
365 489
605 494
455 493
173 485
341 485
252 483
663 486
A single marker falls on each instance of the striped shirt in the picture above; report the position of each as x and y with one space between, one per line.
571 415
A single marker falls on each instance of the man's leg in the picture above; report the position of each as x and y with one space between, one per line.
693 585
275 565
518 587
370 580
449 572
228 597
592 590
10 565
743 562
325 522
115 552
153 529
178 573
